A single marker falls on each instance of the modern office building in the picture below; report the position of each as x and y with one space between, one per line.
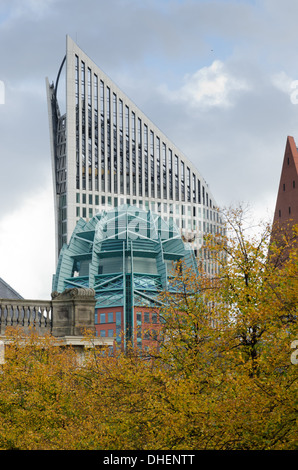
106 152
127 255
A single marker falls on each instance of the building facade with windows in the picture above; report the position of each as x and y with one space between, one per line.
106 152
286 208
127 255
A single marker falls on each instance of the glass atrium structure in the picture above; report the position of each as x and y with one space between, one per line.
126 255
106 152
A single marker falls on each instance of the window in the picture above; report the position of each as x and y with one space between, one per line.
102 318
146 335
188 184
182 179
103 333
118 318
110 333
194 187
154 335
139 318
110 317
139 335
146 317
118 334
152 163
158 194
164 170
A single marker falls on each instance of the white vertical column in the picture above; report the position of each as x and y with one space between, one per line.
71 135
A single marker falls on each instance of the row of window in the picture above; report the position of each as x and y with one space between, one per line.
183 223
180 223
60 157
146 335
289 211
146 317
106 333
108 317
115 317
171 208
293 185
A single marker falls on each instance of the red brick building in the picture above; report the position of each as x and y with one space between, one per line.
286 209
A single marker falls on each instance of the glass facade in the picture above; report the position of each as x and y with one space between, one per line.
126 255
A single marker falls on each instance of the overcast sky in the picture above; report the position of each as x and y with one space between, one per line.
214 76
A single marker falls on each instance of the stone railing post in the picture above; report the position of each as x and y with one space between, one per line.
73 312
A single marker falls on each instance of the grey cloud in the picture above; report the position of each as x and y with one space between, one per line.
143 46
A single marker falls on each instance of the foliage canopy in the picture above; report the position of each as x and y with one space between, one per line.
220 377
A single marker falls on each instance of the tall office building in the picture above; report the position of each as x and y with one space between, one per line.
106 152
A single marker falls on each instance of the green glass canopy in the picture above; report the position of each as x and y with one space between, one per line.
126 255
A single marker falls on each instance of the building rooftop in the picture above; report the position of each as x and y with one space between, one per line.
7 292
122 241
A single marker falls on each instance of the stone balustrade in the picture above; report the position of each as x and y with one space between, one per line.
66 316
27 314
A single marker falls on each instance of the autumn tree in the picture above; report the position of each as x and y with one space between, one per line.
219 377
233 337
35 391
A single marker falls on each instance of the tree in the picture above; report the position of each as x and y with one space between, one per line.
36 391
220 378
239 363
